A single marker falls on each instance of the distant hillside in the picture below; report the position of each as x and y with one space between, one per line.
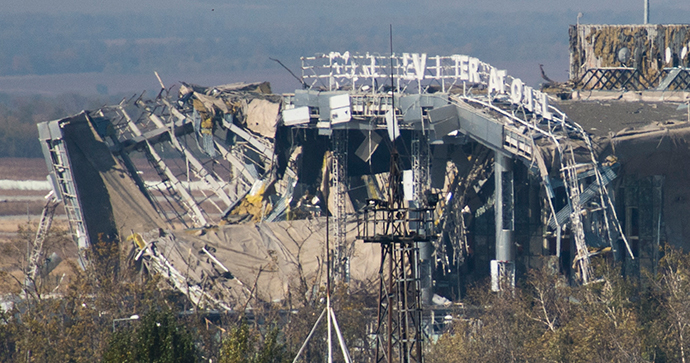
20 114
232 42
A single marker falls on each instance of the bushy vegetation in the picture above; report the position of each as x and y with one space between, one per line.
111 312
159 338
613 320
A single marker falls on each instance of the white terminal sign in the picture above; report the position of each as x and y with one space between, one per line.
453 69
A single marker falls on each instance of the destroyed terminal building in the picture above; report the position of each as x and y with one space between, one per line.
226 190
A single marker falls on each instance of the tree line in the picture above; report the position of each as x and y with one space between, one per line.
112 312
19 115
614 319
240 40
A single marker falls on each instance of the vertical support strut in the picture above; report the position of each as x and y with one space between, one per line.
400 231
55 152
339 186
420 164
578 233
503 267
420 175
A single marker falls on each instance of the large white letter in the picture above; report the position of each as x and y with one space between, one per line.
464 68
516 91
473 64
456 67
545 113
496 81
406 66
374 74
529 98
419 65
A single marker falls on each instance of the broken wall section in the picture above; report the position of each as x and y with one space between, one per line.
648 49
111 204
241 266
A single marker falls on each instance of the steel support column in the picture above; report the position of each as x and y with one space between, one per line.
503 267
420 176
342 251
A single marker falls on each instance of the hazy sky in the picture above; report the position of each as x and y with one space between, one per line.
516 35
330 7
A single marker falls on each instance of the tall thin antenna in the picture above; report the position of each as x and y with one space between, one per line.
393 122
391 45
330 315
328 293
392 80
328 261
646 11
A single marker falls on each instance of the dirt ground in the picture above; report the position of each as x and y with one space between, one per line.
23 169
19 214
16 234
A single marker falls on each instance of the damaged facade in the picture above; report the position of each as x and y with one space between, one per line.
225 190
631 57
631 93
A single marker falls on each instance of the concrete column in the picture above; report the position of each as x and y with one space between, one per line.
504 202
503 267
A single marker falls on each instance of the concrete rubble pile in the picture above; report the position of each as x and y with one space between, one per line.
213 151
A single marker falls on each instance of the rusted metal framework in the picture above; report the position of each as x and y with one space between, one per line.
342 251
399 230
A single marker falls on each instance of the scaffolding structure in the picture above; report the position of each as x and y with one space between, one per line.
36 253
62 178
339 187
420 163
399 230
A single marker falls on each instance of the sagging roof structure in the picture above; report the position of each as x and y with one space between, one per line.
174 173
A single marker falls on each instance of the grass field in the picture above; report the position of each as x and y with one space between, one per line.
23 169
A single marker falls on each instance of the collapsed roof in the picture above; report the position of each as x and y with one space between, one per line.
171 173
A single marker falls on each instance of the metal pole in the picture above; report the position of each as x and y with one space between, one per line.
328 293
313 329
646 11
425 256
503 267
330 338
389 328
504 206
339 334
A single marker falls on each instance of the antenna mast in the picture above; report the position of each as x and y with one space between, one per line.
398 229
